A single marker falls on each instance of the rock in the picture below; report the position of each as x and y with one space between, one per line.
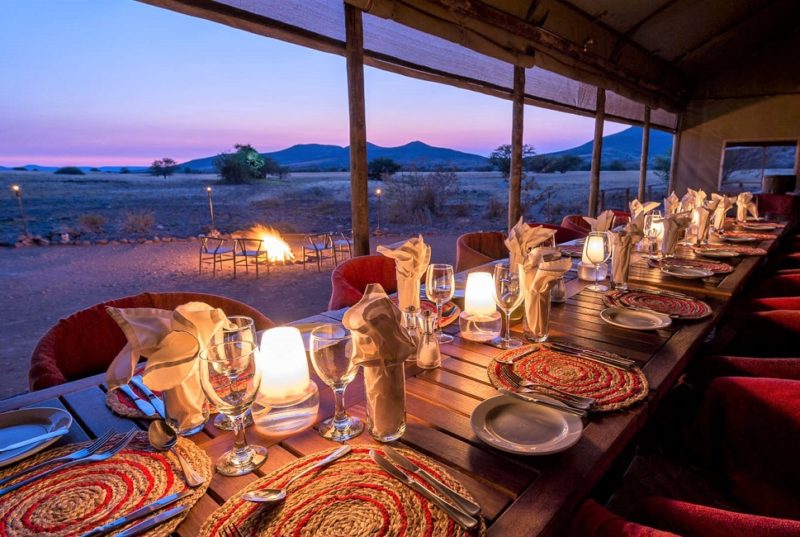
102 242
123 241
41 241
166 239
86 243
156 239
113 242
147 241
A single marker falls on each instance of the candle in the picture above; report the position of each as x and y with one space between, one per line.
595 249
479 295
284 368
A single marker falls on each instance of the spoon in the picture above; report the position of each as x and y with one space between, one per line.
163 438
276 495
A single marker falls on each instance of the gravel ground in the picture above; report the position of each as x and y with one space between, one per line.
44 284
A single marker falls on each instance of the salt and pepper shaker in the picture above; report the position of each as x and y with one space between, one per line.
428 354
559 291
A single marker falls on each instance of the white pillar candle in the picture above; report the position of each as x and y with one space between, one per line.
594 250
479 294
281 358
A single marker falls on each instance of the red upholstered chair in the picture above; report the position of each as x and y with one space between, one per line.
594 520
786 205
768 333
86 342
562 234
351 277
475 249
716 366
575 222
781 285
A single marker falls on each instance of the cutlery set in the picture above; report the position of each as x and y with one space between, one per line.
152 407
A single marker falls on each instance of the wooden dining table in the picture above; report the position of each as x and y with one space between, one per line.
519 495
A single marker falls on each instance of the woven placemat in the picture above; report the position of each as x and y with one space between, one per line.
120 404
750 234
717 267
674 306
75 500
351 497
614 388
738 248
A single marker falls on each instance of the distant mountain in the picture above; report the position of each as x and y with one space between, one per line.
625 146
334 157
114 169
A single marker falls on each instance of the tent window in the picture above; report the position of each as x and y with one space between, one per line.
744 164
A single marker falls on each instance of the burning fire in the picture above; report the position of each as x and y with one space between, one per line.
276 247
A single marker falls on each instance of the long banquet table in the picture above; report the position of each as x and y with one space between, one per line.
519 495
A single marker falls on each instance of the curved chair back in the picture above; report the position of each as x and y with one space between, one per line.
576 223
475 249
86 342
563 234
351 277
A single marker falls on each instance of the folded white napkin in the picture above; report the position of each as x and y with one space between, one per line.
744 205
693 199
639 208
672 204
704 213
674 226
603 222
725 204
411 261
171 341
523 238
542 270
622 244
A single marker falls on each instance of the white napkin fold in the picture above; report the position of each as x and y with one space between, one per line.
603 222
744 205
672 204
674 226
639 208
725 204
411 261
704 213
541 271
171 341
523 238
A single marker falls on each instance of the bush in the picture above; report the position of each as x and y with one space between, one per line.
241 167
69 170
380 168
94 169
417 197
92 223
20 169
494 210
138 221
124 170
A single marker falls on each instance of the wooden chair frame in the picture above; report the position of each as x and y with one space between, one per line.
213 251
342 244
249 248
315 246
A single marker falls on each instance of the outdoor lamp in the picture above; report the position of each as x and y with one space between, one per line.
480 320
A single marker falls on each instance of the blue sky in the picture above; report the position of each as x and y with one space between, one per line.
105 82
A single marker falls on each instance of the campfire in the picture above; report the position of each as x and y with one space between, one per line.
277 249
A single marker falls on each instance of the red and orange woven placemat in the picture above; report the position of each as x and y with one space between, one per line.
120 404
352 496
75 500
717 267
450 310
614 388
669 304
738 248
750 235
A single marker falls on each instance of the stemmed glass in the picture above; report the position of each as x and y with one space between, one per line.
653 228
508 295
440 286
230 380
240 328
598 250
332 358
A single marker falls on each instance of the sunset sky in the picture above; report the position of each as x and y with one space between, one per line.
118 82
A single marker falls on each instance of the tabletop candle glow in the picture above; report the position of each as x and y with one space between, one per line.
282 360
595 249
480 320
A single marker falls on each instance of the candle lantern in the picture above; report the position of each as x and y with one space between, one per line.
588 270
480 320
288 399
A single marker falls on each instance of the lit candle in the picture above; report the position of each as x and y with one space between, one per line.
284 368
595 249
479 295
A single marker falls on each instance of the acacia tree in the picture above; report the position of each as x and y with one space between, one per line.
163 167
501 157
382 167
243 166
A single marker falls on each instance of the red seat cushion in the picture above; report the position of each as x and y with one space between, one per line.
593 520
475 249
768 333
350 278
782 285
775 303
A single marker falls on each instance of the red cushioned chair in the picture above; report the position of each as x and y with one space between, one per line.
775 303
593 520
775 286
475 249
562 234
86 342
351 277
576 223
786 205
767 333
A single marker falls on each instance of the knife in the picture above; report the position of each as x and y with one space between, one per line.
145 407
530 398
155 400
464 504
145 525
604 357
61 431
463 520
136 515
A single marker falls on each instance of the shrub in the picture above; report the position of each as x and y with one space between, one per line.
20 169
494 210
241 167
138 221
124 170
94 169
417 197
382 167
163 167
92 223
69 170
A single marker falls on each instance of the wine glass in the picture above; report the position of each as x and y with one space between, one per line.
653 229
332 357
598 250
508 295
239 328
440 286
230 380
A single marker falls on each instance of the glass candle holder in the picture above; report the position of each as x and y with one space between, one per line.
385 387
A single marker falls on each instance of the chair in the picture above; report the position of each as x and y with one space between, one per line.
86 342
784 205
767 333
315 247
351 277
213 251
247 249
342 242
477 248
562 234
576 223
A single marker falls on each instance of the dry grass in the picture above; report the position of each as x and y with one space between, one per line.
92 223
138 221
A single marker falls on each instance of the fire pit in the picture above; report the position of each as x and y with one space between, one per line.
278 250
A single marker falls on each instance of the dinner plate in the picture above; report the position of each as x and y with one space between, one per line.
517 426
635 319
19 425
740 239
715 253
686 273
764 226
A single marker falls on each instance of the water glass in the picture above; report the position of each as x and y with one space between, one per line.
230 380
332 357
440 286
508 295
239 328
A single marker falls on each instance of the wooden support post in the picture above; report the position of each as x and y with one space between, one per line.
515 170
597 149
645 149
359 189
676 151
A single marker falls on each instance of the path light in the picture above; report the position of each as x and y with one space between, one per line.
210 208
18 192
378 193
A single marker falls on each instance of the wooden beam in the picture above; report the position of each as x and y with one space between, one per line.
597 150
359 194
515 171
676 151
645 149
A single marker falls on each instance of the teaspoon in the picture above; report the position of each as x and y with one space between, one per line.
163 438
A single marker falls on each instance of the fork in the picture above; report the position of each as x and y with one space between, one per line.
230 531
513 377
97 456
569 401
75 455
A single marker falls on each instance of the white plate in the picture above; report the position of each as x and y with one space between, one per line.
516 426
635 319
760 227
18 425
716 253
740 239
686 273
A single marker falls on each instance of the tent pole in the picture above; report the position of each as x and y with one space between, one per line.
515 170
597 149
359 194
676 150
645 150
